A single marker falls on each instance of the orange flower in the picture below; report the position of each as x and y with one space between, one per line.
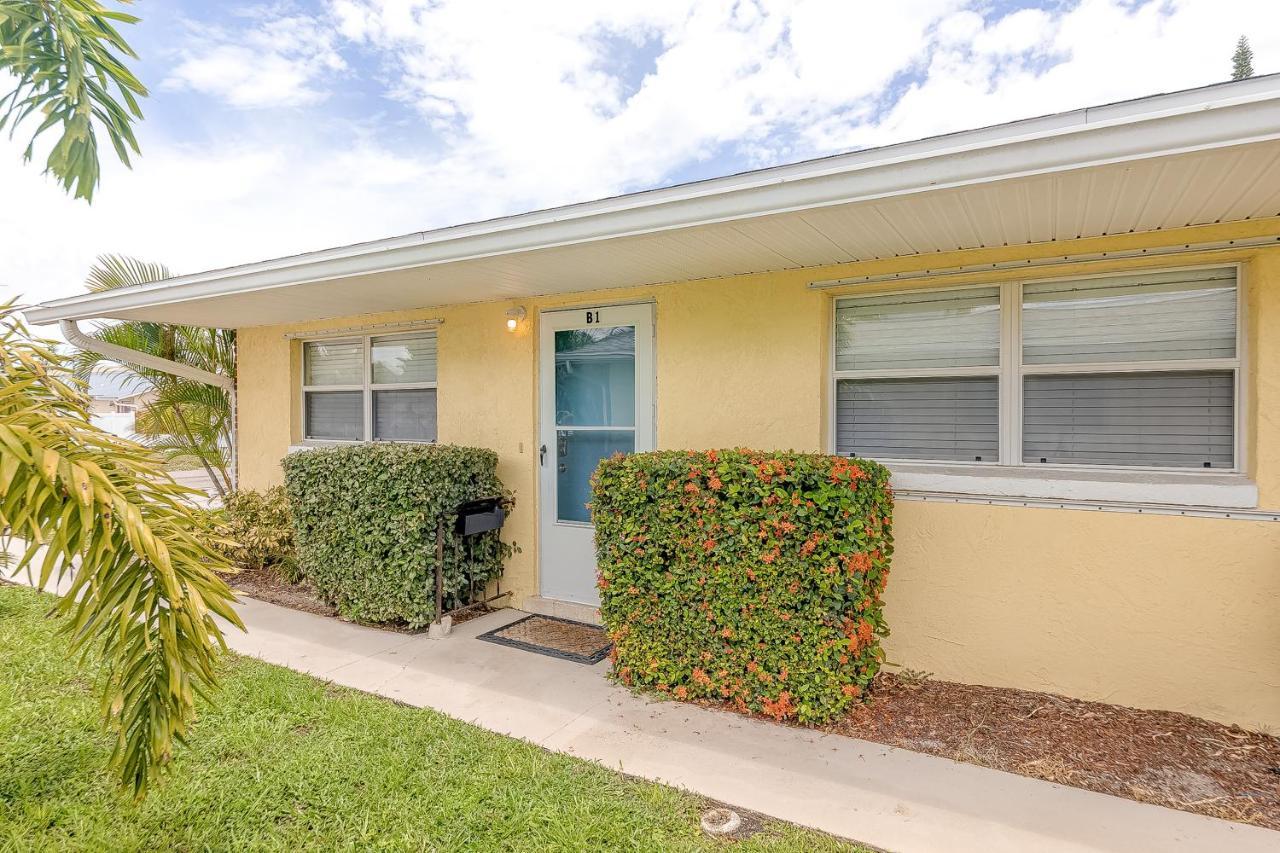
779 709
715 483
858 563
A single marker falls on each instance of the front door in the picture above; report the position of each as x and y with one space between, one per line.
596 387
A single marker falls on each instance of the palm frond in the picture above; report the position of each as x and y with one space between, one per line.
112 272
66 59
144 590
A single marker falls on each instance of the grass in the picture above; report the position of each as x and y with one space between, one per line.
284 761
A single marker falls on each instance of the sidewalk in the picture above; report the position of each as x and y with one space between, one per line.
887 797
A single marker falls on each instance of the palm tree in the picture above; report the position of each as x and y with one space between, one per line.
66 60
189 421
145 589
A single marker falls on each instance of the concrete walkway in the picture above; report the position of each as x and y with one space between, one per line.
887 797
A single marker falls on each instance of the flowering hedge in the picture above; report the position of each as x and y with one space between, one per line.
745 576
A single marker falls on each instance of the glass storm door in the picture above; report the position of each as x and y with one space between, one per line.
596 388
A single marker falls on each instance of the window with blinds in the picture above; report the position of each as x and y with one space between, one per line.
1136 370
1124 370
379 387
918 375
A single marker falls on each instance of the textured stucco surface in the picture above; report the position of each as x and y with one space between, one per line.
1151 611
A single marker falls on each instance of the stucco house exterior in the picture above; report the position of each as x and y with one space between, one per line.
1061 334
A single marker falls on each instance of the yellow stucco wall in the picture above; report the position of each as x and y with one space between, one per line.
1144 610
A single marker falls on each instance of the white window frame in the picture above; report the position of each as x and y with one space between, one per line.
367 387
1010 373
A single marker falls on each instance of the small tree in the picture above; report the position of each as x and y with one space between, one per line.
188 421
143 589
1242 60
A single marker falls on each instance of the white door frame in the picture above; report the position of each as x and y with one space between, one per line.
566 549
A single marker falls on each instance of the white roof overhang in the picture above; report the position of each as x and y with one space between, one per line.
1187 158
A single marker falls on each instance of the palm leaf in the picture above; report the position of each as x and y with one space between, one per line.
145 592
66 60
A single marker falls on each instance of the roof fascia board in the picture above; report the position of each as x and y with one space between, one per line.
1064 142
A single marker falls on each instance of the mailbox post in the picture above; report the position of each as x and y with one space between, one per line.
471 518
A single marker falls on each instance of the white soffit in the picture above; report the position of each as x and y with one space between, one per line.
1189 158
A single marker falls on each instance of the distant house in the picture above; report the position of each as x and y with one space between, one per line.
1062 335
115 398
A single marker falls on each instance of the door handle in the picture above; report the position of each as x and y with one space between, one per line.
542 455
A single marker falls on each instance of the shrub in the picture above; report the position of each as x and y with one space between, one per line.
261 528
365 518
747 577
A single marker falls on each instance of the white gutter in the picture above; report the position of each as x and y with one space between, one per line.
115 352
76 337
1218 116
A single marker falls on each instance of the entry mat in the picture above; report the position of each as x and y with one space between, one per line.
558 638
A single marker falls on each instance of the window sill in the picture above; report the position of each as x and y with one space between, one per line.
1166 488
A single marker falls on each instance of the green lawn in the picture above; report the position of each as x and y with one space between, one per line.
284 761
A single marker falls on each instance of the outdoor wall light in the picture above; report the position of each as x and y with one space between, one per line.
514 316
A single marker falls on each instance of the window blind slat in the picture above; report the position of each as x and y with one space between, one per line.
333 362
403 359
953 418
334 415
923 330
408 415
1142 419
1147 317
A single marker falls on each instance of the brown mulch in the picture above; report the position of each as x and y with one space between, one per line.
1156 757
265 584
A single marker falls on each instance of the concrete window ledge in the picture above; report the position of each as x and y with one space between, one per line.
1165 488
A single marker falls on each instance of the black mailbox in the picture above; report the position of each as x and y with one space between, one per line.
479 516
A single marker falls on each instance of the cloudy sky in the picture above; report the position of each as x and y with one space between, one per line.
278 127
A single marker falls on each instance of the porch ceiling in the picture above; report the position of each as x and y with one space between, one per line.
1189 158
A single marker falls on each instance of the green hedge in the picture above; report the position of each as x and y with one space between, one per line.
365 522
742 576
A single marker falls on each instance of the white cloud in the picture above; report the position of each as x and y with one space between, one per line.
276 61
521 105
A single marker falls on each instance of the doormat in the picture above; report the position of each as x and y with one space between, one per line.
557 638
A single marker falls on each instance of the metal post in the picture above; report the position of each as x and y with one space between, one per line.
439 569
440 626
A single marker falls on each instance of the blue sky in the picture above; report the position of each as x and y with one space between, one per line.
288 125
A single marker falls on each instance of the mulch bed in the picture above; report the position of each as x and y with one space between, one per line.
1156 757
265 584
